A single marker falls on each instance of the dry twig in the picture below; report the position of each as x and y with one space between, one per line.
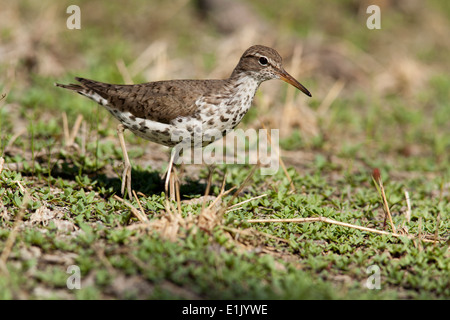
376 176
237 205
408 206
142 217
331 221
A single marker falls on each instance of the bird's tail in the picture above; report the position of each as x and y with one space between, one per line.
86 89
74 87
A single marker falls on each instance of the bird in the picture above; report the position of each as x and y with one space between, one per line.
164 111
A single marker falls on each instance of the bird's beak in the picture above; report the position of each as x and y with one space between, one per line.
289 79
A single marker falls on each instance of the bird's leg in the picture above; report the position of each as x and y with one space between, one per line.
172 185
169 177
180 172
126 174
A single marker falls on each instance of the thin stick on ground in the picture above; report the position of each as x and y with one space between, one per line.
332 94
251 232
247 179
222 193
141 217
139 203
237 205
15 136
69 136
331 221
379 184
83 138
419 236
386 206
210 217
75 129
65 128
436 232
408 206
124 71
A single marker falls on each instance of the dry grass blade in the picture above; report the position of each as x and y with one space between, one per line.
438 221
376 176
137 213
237 205
21 186
75 129
220 196
139 203
209 217
65 128
2 162
69 137
252 232
247 179
15 136
334 92
295 67
331 221
155 50
408 206
124 72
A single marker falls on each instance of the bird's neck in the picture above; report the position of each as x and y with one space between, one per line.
241 90
243 83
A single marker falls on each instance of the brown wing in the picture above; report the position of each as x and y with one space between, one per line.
160 101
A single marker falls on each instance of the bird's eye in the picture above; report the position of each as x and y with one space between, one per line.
263 61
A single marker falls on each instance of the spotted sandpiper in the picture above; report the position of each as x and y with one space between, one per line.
156 111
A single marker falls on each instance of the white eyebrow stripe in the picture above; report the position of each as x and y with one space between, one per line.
271 62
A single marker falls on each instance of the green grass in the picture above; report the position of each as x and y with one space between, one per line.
307 267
